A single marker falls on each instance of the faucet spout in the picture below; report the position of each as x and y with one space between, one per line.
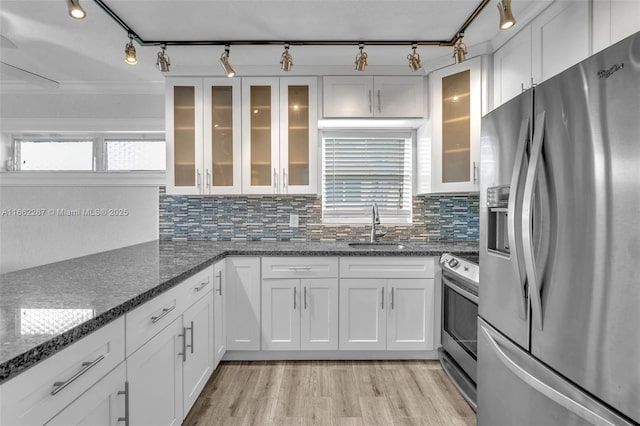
375 220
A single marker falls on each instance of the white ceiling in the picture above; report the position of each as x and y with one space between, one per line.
91 51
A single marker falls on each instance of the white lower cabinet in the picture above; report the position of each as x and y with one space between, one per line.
243 303
219 307
363 325
155 379
410 319
105 403
300 314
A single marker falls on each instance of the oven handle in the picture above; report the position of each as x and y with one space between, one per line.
462 292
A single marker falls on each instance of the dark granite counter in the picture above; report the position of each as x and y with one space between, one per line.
44 309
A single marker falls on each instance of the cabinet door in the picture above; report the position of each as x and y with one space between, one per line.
347 97
410 317
183 116
155 379
281 315
319 314
456 127
363 322
243 303
512 67
103 404
298 135
260 135
219 297
398 97
198 364
222 136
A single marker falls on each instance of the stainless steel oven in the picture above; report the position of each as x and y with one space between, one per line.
458 354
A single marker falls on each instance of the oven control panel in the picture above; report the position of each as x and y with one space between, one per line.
460 267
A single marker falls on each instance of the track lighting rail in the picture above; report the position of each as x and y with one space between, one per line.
143 42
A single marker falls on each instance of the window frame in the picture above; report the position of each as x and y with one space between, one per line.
409 135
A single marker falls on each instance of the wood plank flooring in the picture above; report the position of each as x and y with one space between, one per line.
331 393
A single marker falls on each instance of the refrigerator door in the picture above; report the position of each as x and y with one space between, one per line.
516 389
503 151
587 324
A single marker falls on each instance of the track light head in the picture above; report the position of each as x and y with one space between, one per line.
414 59
361 59
130 56
286 60
75 10
163 63
506 17
224 60
459 50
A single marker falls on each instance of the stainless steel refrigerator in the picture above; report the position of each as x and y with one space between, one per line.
559 308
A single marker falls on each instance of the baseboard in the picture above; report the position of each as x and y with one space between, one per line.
328 355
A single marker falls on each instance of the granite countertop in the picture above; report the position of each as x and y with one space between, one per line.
44 309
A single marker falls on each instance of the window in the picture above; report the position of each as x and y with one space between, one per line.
135 154
361 168
51 154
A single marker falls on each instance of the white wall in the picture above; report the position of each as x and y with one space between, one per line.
35 240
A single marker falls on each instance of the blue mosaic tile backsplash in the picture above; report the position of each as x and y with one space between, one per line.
225 218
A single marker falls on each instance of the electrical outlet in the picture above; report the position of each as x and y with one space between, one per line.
294 220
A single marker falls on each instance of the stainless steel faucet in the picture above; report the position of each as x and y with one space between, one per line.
375 220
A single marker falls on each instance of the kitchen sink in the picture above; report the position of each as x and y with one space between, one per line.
376 245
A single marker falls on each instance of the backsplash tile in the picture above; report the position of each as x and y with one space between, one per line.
233 217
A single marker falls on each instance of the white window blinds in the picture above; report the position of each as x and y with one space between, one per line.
361 169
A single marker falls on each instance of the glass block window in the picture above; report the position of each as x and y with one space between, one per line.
55 155
135 154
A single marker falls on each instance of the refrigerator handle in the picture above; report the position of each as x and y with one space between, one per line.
512 213
527 216
545 382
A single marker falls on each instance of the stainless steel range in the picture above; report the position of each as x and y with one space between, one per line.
458 354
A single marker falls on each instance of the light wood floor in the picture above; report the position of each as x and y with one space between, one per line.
389 393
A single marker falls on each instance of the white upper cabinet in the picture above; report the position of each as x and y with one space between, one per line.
456 109
512 67
203 136
366 97
279 133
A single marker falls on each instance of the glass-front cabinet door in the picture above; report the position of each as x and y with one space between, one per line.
298 135
184 136
456 106
222 138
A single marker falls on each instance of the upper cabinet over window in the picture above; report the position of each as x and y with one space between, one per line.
203 136
279 119
367 97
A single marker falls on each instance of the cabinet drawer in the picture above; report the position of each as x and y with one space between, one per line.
195 287
299 267
149 319
387 267
29 398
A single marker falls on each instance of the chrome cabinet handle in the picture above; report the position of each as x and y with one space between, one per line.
202 285
125 392
208 178
163 314
199 177
305 298
294 298
514 206
86 366
379 102
382 298
527 215
191 332
299 268
275 179
475 170
393 291
183 354
370 103
219 289
284 180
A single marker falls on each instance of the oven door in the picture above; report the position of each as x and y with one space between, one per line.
460 325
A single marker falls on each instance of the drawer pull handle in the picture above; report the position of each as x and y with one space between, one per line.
125 392
86 366
300 268
163 314
202 285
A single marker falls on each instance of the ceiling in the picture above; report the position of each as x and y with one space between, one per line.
40 37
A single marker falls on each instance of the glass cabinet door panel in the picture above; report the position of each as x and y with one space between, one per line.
456 127
261 136
298 135
184 135
222 135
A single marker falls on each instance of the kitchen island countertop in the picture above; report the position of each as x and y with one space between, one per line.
45 308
